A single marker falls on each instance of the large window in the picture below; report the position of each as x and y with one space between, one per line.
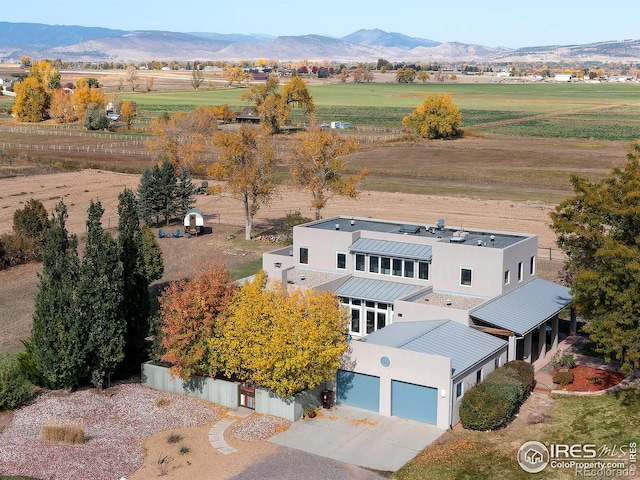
397 267
385 267
465 276
367 316
304 255
341 261
408 268
355 320
374 262
360 261
423 270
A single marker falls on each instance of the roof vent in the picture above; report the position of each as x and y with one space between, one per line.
353 222
493 238
440 224
410 229
457 240
337 226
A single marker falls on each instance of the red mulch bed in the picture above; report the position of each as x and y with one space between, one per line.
589 379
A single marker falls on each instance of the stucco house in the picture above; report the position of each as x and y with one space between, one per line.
432 309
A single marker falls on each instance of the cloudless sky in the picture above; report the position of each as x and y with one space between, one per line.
494 23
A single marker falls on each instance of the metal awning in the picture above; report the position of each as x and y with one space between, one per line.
375 290
371 246
525 308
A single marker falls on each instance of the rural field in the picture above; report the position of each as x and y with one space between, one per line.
522 144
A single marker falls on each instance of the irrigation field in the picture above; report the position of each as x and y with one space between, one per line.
576 110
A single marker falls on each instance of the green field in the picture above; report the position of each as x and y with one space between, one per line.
586 111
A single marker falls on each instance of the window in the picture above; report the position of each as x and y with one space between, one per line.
465 276
355 320
371 315
478 376
341 261
304 255
496 363
385 268
374 266
507 277
520 273
532 265
397 267
360 260
423 270
458 389
408 268
382 320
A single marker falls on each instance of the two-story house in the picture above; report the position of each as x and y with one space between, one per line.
432 309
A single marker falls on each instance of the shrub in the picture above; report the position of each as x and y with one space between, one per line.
505 383
526 374
68 431
174 438
563 378
483 409
15 389
28 366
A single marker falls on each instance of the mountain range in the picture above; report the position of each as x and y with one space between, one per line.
92 44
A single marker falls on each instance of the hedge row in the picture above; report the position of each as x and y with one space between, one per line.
492 403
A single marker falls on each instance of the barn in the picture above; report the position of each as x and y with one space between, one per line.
194 222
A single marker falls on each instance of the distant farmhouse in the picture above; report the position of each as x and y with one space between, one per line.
432 309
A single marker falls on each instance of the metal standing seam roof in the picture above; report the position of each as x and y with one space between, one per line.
387 247
525 308
375 290
464 345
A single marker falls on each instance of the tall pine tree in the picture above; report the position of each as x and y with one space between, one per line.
166 175
100 298
59 338
185 192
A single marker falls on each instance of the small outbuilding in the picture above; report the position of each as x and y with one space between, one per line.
194 222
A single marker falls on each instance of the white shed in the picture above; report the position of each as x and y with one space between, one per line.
194 222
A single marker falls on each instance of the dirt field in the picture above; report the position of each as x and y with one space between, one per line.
225 216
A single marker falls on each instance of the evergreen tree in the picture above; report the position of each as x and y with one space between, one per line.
152 255
146 191
59 339
185 192
135 282
100 298
166 175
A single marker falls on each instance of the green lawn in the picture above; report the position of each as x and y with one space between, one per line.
609 420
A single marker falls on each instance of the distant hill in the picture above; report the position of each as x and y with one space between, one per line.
380 38
89 44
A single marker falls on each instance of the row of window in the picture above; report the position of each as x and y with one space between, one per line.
396 267
532 271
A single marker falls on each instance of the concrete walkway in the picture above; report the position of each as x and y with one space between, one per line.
216 434
360 437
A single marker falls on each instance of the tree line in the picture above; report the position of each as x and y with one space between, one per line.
91 315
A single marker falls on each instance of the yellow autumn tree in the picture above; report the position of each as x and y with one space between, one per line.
32 100
127 112
85 95
285 342
436 117
236 75
33 94
317 165
62 109
246 163
274 105
181 138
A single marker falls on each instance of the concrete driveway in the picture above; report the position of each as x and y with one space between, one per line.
360 437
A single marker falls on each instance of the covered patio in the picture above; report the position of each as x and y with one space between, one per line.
528 317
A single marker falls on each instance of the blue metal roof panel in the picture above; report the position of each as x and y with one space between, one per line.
375 290
396 249
464 345
524 308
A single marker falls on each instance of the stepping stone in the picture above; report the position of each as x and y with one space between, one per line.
227 450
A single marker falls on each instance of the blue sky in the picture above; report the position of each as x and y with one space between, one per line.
508 23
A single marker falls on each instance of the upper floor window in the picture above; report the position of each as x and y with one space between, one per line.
507 277
360 261
532 265
408 268
304 255
341 261
397 267
465 276
520 272
374 266
423 270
